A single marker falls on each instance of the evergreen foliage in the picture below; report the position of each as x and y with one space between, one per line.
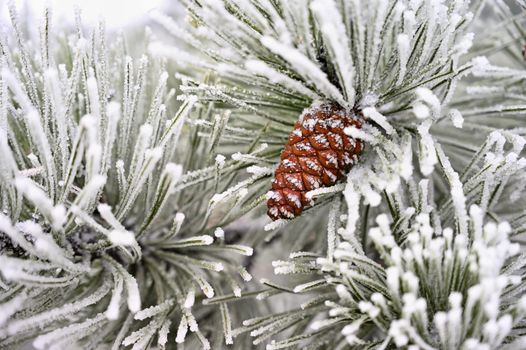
133 187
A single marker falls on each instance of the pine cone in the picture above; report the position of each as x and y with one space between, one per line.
317 154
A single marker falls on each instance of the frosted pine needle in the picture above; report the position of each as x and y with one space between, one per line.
95 159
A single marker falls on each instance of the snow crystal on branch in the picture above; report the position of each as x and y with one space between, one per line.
93 155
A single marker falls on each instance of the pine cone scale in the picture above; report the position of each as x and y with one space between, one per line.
318 154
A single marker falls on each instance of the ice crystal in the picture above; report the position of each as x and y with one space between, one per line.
442 113
397 62
101 244
445 276
131 217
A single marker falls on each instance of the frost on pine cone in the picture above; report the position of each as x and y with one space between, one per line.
318 154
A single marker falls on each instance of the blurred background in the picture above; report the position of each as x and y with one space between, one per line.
117 13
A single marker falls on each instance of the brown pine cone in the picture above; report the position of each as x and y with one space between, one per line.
317 154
